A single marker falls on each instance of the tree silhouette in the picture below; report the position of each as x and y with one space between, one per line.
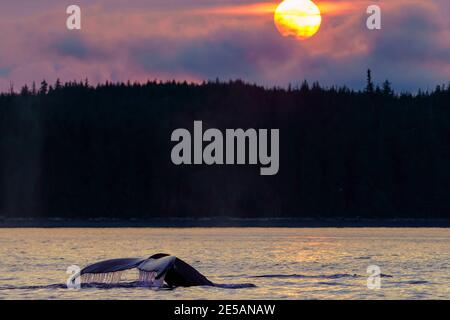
104 151
369 86
25 91
387 90
44 87
33 88
58 85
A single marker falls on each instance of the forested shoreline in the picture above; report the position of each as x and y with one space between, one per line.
81 151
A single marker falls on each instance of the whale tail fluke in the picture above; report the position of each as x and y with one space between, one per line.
153 271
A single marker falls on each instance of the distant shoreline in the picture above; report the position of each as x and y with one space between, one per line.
224 223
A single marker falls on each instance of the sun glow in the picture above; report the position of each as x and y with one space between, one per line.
297 18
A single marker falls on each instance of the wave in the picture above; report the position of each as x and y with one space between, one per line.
86 286
411 282
235 286
321 276
50 286
326 283
105 286
303 276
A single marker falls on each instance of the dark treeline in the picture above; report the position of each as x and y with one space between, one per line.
76 150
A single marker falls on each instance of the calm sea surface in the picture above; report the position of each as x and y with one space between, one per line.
281 263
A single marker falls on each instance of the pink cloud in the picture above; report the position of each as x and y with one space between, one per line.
196 40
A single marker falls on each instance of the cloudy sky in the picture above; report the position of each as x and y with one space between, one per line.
204 39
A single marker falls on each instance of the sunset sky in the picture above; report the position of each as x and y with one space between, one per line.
198 40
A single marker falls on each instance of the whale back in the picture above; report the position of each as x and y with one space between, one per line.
184 275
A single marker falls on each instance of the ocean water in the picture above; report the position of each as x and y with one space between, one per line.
254 263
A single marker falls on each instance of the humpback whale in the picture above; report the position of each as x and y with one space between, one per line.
156 271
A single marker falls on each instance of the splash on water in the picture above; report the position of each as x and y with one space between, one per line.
108 278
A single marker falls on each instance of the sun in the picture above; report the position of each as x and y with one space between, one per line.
297 18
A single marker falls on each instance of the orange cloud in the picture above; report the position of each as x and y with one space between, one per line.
340 7
268 8
248 9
